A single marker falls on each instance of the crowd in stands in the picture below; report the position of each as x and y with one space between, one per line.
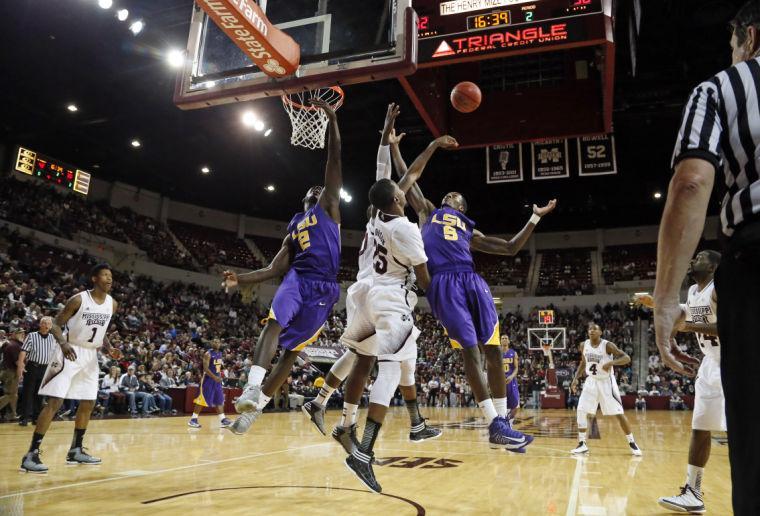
213 246
628 263
565 272
503 270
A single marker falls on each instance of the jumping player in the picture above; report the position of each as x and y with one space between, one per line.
357 296
211 393
80 329
461 300
701 317
511 367
598 357
305 298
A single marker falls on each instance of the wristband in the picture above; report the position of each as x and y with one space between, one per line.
534 219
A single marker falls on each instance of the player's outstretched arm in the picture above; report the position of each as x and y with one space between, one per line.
620 357
279 266
383 170
330 198
422 206
67 312
414 172
496 245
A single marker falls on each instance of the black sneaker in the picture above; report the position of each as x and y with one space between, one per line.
422 432
23 422
346 438
316 414
80 456
363 470
31 463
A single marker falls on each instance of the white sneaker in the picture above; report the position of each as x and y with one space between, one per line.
581 448
635 450
248 399
689 501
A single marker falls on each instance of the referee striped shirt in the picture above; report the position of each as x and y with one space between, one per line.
721 124
39 349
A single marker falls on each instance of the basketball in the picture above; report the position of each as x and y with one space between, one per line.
466 97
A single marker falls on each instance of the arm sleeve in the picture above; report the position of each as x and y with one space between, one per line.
407 241
701 130
383 163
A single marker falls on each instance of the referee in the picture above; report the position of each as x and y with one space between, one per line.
38 351
720 135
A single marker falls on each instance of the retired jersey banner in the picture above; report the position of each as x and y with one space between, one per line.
504 163
596 155
550 159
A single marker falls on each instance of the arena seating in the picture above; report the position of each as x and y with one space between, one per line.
565 272
629 262
213 246
503 270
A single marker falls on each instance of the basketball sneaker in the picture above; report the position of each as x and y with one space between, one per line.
689 501
346 437
501 434
581 448
243 422
224 423
360 464
635 450
422 432
80 456
194 423
31 463
316 413
248 400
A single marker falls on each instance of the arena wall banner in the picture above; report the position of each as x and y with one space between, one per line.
322 355
504 163
596 155
550 159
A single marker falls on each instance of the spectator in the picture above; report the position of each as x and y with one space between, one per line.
168 381
109 391
641 402
676 402
11 369
150 405
129 385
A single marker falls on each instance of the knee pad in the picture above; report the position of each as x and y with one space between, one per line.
343 366
388 376
407 372
582 419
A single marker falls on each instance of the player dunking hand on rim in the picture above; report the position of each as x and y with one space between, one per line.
310 254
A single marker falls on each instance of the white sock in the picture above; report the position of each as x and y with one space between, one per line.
694 477
630 438
324 395
582 435
195 416
488 410
348 417
221 416
263 401
256 375
500 404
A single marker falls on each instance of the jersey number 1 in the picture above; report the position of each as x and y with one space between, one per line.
94 331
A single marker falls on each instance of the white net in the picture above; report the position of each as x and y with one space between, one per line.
310 123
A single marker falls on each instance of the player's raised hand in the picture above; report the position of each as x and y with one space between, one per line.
545 210
446 142
230 280
666 315
395 139
642 299
324 106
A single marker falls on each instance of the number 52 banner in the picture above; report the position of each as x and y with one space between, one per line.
596 155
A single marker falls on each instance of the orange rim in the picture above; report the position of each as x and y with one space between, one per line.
335 105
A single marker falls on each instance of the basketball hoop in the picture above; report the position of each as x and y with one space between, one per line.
310 122
547 349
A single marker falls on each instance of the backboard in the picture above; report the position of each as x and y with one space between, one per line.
342 42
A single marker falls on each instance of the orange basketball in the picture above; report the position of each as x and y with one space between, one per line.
466 97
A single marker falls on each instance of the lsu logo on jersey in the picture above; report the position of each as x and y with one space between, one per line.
301 233
218 364
450 223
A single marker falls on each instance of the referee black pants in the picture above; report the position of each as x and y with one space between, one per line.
32 381
737 283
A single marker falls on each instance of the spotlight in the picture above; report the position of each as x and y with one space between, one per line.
205 170
249 119
348 198
175 58
137 27
105 4
136 144
268 132
657 195
258 125
72 107
122 14
270 188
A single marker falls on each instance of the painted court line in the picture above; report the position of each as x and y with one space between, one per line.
137 474
575 487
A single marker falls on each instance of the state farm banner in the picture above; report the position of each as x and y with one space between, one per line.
504 163
322 355
596 155
550 159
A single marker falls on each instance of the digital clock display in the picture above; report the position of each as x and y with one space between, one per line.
53 171
484 21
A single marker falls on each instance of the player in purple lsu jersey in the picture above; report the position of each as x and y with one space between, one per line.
511 367
462 302
311 252
211 393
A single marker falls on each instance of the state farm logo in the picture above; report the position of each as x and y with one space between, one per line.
503 39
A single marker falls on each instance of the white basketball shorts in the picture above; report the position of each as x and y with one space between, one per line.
77 380
709 403
388 312
601 393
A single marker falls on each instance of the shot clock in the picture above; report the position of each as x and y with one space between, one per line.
44 168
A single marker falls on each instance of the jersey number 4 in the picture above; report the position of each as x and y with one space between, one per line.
592 368
381 258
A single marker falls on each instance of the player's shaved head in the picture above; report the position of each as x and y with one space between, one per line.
385 194
455 200
713 257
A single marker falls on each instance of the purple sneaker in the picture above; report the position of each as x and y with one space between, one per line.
501 434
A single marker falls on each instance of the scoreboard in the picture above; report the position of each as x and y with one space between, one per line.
53 171
455 29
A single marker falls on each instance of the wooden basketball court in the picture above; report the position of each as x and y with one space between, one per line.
160 466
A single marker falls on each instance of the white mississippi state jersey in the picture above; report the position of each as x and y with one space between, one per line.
398 248
596 357
366 252
701 309
88 326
